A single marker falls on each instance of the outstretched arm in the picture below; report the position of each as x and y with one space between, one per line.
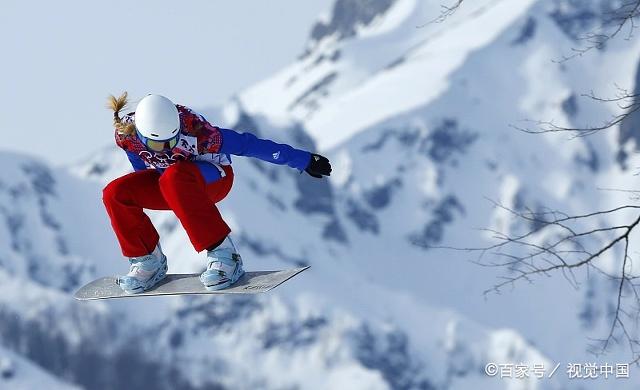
212 139
247 144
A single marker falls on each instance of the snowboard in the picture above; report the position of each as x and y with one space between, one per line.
184 284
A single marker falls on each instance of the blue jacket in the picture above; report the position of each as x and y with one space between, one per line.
209 147
247 144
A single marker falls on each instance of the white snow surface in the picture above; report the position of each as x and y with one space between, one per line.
17 373
398 63
343 303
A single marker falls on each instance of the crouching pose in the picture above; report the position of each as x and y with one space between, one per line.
182 163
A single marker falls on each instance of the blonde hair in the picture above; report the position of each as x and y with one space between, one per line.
117 104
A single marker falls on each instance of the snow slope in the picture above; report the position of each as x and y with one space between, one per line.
399 62
419 130
17 373
332 339
316 318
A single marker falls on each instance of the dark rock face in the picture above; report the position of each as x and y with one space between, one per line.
390 355
7 369
406 137
593 20
446 140
380 196
100 361
440 145
38 193
591 311
318 89
362 218
292 335
570 106
315 195
347 15
575 17
97 169
538 216
267 249
200 315
334 231
591 159
41 178
630 126
527 32
433 231
245 123
300 138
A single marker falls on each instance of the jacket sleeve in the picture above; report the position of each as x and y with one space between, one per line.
136 162
247 144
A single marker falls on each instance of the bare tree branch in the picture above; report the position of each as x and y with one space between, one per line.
558 243
625 101
614 23
445 12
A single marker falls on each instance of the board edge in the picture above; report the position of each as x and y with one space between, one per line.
221 292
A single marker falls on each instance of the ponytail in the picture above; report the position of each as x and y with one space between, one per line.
117 104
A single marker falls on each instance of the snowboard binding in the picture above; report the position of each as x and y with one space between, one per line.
144 273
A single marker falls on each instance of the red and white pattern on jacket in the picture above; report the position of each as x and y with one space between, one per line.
199 141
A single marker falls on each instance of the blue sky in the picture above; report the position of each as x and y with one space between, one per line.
61 59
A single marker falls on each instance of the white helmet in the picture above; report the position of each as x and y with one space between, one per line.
157 118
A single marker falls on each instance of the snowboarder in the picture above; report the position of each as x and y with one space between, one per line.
182 163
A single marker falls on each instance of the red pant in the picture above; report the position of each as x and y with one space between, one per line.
180 188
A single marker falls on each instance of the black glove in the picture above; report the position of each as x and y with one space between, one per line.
318 166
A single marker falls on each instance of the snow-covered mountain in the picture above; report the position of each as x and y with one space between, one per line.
415 117
336 330
16 373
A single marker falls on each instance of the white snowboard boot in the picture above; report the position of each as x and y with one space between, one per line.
144 272
224 266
